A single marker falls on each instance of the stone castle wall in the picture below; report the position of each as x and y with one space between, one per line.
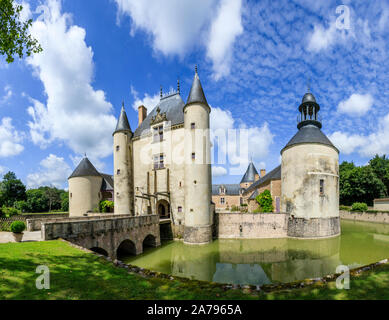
251 225
378 217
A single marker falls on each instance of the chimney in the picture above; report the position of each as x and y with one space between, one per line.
263 172
256 177
142 114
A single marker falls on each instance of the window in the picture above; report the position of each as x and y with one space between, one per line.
222 200
180 184
117 148
179 209
158 134
321 187
241 201
118 172
159 161
71 195
222 190
193 155
192 125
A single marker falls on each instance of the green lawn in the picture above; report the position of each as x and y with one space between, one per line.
76 274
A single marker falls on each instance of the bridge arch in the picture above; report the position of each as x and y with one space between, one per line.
126 247
150 241
99 251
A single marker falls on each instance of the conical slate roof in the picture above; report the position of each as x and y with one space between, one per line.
309 134
249 176
123 124
85 168
196 92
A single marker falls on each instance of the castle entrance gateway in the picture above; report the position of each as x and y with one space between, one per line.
163 209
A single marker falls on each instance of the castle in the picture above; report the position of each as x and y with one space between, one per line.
164 167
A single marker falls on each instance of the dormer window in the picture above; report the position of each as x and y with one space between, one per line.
158 133
117 148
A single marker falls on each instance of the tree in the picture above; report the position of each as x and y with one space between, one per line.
37 200
265 201
65 201
380 166
14 36
11 190
359 184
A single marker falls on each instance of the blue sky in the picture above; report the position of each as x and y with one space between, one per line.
254 60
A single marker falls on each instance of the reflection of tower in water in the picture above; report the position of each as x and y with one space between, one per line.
194 262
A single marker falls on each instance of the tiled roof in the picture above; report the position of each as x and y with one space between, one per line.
85 168
249 176
275 174
231 189
172 105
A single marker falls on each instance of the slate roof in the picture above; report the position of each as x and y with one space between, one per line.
254 195
249 176
196 91
85 168
172 105
309 134
231 189
107 182
123 124
308 97
275 174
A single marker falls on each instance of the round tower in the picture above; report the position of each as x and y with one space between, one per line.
123 166
84 189
310 178
198 180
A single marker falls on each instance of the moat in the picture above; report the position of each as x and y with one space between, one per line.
264 261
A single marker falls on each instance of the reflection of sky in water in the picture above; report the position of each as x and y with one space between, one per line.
240 274
264 261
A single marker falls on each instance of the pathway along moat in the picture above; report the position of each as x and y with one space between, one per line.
265 261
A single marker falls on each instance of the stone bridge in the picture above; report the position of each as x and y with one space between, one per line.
113 236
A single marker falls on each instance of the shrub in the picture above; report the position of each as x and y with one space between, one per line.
265 201
234 208
106 206
345 208
9 211
18 226
359 206
258 210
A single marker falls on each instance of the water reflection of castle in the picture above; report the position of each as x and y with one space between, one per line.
242 262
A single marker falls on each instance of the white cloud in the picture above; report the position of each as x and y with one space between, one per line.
347 143
25 14
376 142
7 94
225 28
221 119
74 113
356 104
10 139
322 38
218 171
54 171
238 143
177 27
148 101
2 170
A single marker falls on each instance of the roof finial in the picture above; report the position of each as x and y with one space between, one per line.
196 68
309 84
178 85
122 104
160 93
85 154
